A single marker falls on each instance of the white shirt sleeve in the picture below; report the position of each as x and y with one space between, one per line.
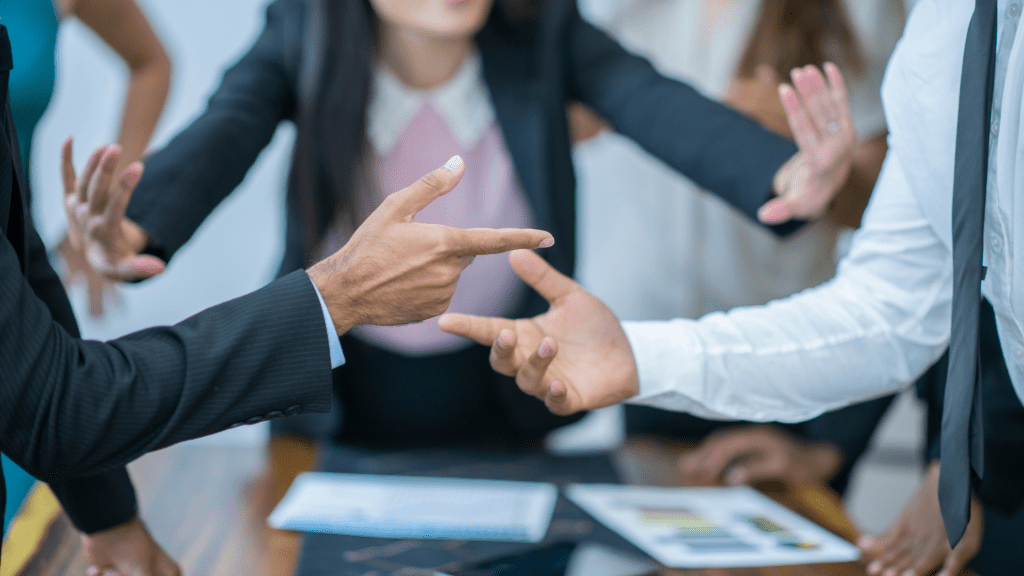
337 356
869 331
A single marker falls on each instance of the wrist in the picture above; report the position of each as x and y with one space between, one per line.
337 306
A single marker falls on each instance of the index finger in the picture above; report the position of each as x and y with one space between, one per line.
481 329
482 241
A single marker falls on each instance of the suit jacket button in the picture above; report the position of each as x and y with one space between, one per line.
293 410
234 425
254 420
274 415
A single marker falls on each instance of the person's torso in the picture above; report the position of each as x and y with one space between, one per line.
921 103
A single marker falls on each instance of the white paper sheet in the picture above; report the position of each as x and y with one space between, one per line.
414 507
710 527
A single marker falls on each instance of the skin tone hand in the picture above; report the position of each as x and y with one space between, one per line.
123 27
819 119
127 550
95 204
395 270
754 453
574 357
917 544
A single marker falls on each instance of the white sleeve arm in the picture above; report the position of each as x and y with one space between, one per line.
875 327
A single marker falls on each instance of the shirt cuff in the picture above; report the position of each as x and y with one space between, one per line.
337 356
669 367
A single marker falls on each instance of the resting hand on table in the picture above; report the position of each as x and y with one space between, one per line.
917 544
754 453
574 357
127 550
819 118
95 204
395 270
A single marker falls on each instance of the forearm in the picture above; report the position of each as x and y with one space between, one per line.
874 328
260 356
715 146
147 92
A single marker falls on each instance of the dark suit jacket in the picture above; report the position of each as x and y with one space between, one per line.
531 78
71 408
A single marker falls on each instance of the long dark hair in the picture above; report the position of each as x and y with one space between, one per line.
791 33
341 43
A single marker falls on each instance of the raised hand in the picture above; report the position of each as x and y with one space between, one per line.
395 270
819 119
574 357
95 204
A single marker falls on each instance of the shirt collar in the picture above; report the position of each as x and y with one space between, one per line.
463 102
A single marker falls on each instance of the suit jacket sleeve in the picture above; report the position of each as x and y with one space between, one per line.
718 148
185 181
70 407
97 502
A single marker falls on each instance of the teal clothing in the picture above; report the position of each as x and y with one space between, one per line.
32 26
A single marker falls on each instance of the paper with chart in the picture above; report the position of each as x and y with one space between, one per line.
416 507
710 527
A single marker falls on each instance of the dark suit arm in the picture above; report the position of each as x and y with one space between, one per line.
92 503
70 407
718 148
185 181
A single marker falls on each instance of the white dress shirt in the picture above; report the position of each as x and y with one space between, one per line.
885 317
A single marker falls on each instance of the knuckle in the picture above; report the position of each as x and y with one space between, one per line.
432 180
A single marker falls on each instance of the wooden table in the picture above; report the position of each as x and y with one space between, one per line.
207 505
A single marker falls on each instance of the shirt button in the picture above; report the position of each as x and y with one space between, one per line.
293 410
254 420
996 242
275 414
1018 352
1013 10
234 425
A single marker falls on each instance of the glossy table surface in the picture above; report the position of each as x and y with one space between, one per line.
207 505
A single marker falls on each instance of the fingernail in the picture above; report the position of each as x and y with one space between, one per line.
909 573
546 350
453 163
547 242
865 542
736 477
874 567
502 341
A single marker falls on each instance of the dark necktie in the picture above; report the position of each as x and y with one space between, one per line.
961 447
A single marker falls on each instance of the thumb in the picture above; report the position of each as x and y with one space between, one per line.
411 199
535 271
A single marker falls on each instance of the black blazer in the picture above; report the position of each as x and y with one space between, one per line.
71 408
531 77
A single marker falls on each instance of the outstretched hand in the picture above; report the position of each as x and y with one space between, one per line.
395 270
819 118
574 357
95 204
